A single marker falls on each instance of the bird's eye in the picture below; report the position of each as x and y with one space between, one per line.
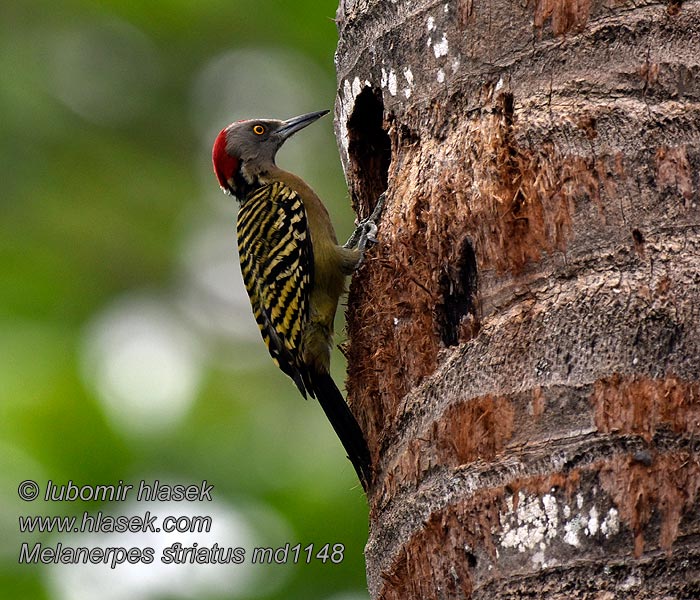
258 130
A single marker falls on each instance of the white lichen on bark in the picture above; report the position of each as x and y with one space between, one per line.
536 522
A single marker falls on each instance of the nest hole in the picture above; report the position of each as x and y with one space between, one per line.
369 149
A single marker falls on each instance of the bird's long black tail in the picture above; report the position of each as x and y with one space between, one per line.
345 426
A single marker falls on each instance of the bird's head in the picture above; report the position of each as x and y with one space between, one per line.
245 150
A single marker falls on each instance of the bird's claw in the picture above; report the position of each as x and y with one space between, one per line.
366 230
370 231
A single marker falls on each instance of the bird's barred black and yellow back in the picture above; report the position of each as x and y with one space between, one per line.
277 262
293 268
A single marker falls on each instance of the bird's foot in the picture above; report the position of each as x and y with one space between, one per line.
366 230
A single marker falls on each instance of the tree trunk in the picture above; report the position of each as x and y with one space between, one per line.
525 338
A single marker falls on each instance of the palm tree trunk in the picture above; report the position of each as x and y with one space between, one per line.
525 338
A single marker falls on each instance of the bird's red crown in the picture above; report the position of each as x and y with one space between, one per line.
225 165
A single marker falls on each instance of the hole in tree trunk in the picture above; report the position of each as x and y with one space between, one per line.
369 150
458 287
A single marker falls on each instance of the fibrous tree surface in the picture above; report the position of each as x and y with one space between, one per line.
525 337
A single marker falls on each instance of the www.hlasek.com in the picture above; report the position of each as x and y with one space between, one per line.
176 553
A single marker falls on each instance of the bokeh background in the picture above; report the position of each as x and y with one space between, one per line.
128 347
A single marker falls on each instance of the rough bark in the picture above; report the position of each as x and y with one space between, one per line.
525 339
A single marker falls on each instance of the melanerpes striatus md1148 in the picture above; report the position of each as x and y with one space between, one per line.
293 267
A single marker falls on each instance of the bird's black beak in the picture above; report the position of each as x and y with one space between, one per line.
291 126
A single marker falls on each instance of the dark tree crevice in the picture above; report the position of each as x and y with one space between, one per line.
369 150
458 285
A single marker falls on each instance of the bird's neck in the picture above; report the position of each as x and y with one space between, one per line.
248 180
252 180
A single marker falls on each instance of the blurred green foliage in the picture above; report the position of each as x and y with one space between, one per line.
105 176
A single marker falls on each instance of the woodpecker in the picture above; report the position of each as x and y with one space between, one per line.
293 268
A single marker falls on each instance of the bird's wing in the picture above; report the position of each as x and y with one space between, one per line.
276 256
